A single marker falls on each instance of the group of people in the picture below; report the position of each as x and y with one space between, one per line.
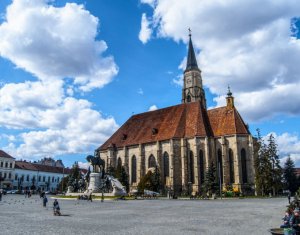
85 197
27 193
56 208
291 219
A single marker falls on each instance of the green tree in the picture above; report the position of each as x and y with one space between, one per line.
63 184
74 176
150 181
289 176
262 166
276 171
210 183
145 182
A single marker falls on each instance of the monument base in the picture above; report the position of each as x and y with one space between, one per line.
94 184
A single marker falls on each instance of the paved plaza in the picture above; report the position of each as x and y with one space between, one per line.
19 215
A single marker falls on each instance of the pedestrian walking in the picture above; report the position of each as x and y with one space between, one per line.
289 197
90 197
45 200
102 197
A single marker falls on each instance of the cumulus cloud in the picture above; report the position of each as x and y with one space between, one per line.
253 51
150 2
288 145
152 108
146 31
85 165
54 43
71 127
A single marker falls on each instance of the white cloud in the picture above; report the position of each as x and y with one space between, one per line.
67 125
288 145
178 80
85 165
152 108
54 43
146 31
140 91
253 51
150 2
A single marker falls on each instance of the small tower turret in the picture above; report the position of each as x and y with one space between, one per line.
229 99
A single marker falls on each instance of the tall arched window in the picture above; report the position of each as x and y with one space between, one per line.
166 166
119 163
188 98
220 165
244 166
133 169
231 166
201 166
191 166
151 161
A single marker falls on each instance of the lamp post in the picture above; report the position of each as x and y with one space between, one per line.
220 179
62 180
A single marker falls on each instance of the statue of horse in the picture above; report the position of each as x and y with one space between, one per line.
96 161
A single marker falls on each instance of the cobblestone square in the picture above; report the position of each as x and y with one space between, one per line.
19 215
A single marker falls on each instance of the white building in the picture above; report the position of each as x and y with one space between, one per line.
7 164
36 176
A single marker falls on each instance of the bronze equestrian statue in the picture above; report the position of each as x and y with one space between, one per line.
96 161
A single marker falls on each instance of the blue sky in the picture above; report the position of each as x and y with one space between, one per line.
72 72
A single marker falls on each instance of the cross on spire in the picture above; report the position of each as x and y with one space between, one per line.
190 32
229 93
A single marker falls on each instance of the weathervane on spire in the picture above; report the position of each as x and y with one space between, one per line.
229 93
190 32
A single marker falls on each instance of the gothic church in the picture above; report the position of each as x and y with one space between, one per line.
183 140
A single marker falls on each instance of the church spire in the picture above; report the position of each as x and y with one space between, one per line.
192 81
191 58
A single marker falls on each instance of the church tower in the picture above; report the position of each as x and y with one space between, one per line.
192 82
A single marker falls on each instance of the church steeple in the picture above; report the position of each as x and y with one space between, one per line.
192 87
191 58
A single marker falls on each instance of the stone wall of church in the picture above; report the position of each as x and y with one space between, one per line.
184 160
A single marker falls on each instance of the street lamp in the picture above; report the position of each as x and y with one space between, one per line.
220 179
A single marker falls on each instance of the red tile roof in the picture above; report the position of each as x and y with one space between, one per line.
38 167
184 120
5 155
226 121
297 171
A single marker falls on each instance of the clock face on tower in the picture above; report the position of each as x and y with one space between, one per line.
188 81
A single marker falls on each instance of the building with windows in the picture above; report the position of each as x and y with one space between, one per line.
183 140
7 164
38 176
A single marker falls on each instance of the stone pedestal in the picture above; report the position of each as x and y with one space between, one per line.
94 183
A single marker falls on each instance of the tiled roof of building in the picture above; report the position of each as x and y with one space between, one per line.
5 155
297 171
43 168
184 120
226 121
